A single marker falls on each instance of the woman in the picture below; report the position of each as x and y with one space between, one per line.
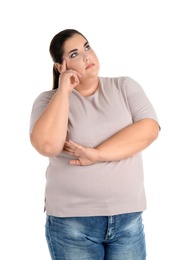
93 130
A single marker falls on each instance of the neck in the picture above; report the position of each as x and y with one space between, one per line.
88 87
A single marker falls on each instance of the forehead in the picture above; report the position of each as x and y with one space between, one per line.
75 42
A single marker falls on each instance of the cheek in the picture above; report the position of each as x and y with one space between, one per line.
74 65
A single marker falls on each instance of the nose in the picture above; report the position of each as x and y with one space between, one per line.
86 57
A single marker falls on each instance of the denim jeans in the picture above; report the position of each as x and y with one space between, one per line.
118 237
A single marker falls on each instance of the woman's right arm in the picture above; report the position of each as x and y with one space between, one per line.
50 130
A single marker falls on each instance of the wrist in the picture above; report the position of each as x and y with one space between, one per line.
101 156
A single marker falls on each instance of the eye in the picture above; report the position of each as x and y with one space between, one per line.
87 47
74 54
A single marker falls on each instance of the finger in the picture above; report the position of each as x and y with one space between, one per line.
75 162
69 151
68 145
73 144
64 68
74 79
64 65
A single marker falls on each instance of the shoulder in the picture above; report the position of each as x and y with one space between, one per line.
121 82
118 80
44 97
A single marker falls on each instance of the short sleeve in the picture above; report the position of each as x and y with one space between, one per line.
138 102
39 106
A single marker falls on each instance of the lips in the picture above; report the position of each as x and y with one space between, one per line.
90 65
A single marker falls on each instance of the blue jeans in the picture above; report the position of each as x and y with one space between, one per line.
119 237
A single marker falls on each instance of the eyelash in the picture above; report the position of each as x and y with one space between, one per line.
74 54
87 46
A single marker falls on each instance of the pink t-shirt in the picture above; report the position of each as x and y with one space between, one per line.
105 188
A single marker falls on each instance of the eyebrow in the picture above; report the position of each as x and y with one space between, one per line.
77 49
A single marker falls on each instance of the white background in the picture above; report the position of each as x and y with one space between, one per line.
145 40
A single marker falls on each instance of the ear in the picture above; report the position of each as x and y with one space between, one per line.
59 67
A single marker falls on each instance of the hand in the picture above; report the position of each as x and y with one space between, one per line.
68 79
85 155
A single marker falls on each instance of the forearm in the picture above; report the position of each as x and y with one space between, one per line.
128 141
49 132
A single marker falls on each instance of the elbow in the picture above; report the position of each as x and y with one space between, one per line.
49 150
46 148
153 131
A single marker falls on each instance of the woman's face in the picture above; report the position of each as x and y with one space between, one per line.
80 57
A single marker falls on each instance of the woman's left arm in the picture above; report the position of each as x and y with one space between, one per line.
127 142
